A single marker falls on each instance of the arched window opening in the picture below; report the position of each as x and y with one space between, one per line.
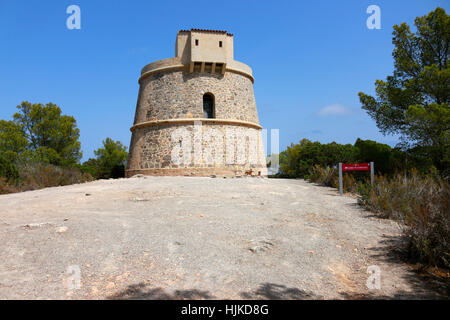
208 105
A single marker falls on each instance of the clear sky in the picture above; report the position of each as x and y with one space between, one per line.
309 58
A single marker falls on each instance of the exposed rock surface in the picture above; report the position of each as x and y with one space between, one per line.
198 238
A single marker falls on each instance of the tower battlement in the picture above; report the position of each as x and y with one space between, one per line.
204 48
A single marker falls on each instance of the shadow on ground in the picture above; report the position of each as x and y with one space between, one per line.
266 291
434 284
143 291
425 284
272 291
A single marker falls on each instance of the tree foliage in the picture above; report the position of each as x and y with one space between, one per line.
386 159
8 170
12 140
414 101
109 162
298 160
50 136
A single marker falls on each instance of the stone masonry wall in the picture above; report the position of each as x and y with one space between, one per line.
179 94
220 149
204 148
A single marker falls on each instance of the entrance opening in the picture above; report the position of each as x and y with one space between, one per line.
208 105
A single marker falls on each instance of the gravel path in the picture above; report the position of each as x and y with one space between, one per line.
196 238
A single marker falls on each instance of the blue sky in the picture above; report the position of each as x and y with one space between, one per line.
309 58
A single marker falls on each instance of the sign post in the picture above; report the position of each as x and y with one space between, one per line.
355 167
372 171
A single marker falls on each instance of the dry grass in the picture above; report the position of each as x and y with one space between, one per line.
422 204
6 187
330 177
419 202
37 176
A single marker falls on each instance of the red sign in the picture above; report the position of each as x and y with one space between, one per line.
355 166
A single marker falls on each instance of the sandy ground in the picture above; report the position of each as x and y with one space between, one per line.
197 238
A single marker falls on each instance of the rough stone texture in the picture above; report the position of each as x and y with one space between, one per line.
225 149
179 95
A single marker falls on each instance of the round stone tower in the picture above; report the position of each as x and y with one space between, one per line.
196 113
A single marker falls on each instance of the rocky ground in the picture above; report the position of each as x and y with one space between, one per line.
198 238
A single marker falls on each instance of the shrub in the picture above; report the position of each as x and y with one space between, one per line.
429 228
421 204
109 162
330 177
37 175
8 170
118 171
297 160
323 176
6 187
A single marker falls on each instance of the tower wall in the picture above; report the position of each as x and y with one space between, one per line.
153 147
179 94
170 135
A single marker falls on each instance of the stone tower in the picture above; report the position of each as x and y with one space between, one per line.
196 113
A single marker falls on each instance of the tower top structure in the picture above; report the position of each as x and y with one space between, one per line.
204 46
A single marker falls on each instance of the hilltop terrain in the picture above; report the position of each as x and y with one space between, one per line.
198 238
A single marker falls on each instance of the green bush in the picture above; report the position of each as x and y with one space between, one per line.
297 160
109 162
118 171
8 170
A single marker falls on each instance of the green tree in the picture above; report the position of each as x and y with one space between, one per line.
414 101
8 169
52 137
297 160
110 161
12 141
381 154
90 166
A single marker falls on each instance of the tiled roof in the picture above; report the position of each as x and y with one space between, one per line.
207 30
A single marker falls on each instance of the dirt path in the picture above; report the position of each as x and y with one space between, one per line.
200 238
